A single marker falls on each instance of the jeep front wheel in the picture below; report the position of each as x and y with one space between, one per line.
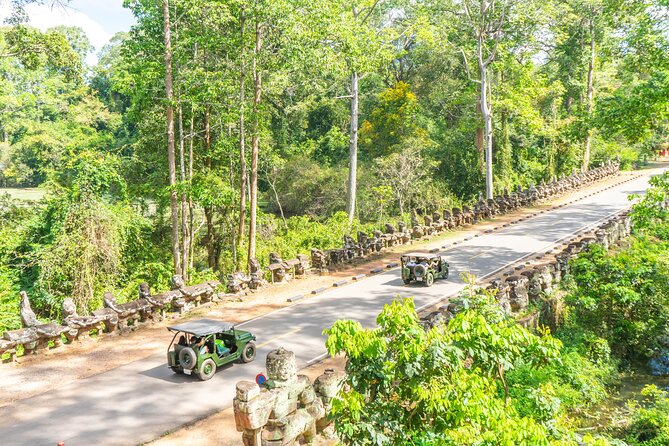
187 358
249 352
429 279
406 281
207 369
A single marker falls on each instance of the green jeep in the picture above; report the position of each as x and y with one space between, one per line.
206 344
423 267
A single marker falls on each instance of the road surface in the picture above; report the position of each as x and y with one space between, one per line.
140 401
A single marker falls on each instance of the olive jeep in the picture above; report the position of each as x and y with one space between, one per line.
423 267
206 344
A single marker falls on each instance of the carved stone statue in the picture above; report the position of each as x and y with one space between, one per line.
414 218
256 281
349 243
302 266
274 258
318 259
28 318
254 266
177 282
109 301
237 281
428 220
144 291
82 325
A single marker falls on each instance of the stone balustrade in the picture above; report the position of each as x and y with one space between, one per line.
36 337
514 290
323 261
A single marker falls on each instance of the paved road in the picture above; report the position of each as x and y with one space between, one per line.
142 400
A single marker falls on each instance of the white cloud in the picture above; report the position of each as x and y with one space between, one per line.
44 17
100 19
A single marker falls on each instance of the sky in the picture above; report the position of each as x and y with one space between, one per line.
100 20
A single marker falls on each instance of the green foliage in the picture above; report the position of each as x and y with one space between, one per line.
623 297
406 385
573 383
306 188
36 49
651 214
301 233
391 121
649 422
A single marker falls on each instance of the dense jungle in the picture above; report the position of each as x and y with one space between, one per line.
214 132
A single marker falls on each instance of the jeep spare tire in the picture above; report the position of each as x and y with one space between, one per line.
419 270
187 358
249 352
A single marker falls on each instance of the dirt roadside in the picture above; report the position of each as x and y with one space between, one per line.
33 375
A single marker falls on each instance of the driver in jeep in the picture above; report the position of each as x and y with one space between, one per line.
221 348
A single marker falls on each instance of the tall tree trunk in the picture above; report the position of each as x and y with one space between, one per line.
242 143
352 150
184 201
233 233
255 141
191 216
487 122
590 101
170 139
505 153
478 138
211 237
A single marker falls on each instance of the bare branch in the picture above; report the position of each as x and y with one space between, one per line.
492 55
469 75
371 9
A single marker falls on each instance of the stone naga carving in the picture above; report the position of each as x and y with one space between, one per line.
302 267
533 285
288 408
501 291
81 326
34 336
28 318
254 280
319 260
278 268
237 281
128 313
518 296
467 215
191 295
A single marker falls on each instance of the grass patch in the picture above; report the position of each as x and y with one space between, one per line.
24 194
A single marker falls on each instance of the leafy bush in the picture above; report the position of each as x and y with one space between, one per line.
301 233
649 422
446 385
623 297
